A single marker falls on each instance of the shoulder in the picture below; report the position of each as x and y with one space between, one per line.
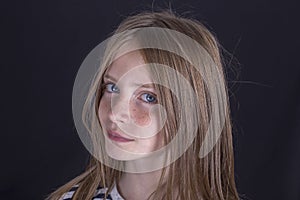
70 193
99 194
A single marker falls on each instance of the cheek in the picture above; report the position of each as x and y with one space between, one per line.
140 115
103 109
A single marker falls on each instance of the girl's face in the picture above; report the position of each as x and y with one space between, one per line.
128 110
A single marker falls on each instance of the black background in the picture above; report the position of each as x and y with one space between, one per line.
44 42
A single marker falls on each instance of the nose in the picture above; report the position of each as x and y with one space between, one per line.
119 110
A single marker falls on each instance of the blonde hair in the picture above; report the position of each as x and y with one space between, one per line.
210 177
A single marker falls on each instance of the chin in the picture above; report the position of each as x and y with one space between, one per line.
117 153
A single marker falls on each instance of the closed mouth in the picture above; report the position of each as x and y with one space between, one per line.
115 136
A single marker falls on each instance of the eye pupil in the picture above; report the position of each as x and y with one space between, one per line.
149 98
112 88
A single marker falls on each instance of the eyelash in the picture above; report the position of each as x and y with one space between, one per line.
106 85
152 95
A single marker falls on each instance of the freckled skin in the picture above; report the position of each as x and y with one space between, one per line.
140 116
130 110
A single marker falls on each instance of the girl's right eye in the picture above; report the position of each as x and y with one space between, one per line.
111 88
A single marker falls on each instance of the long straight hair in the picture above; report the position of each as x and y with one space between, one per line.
189 177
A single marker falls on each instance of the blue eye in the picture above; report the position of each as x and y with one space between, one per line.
148 98
110 87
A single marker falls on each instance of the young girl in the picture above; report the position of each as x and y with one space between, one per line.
157 113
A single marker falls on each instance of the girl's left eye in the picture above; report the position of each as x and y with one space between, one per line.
148 98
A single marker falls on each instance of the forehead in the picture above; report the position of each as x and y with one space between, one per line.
130 65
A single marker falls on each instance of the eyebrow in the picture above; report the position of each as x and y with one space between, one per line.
107 76
148 85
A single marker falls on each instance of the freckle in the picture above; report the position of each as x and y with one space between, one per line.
140 117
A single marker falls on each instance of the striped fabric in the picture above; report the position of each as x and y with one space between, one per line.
100 193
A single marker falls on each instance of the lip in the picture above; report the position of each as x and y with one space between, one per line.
117 137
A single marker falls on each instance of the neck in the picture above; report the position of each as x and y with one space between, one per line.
138 185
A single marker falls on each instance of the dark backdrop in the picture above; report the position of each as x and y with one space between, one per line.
44 42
